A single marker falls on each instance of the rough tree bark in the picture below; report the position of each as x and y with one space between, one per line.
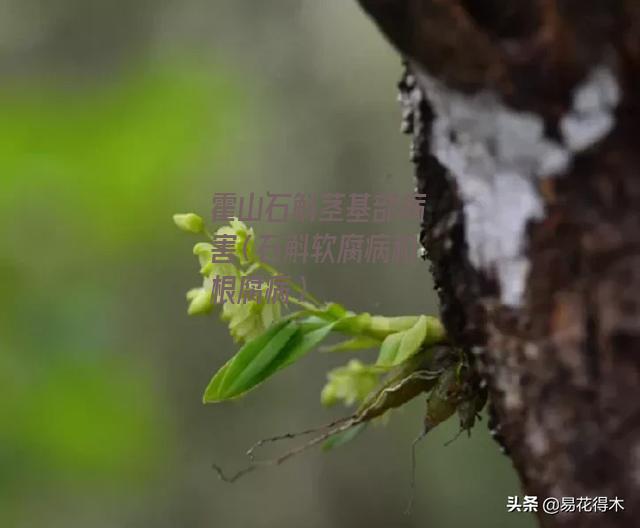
526 139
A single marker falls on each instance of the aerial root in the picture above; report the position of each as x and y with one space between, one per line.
452 440
289 436
412 491
336 427
230 480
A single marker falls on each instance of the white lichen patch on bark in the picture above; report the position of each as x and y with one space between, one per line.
497 155
591 117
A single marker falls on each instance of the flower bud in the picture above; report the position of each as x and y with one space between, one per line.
200 303
189 222
328 396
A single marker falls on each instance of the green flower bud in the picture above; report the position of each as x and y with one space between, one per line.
328 396
200 302
189 222
192 293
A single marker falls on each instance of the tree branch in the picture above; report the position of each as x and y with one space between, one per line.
525 122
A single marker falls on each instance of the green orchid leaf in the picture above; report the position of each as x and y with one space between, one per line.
245 370
412 340
280 346
305 340
399 347
314 322
389 350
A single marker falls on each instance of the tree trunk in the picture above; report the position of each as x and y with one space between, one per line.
525 119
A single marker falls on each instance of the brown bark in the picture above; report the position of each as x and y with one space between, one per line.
525 119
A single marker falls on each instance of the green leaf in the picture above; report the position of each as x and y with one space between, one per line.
258 368
412 340
399 347
313 322
344 437
304 341
280 346
242 371
389 350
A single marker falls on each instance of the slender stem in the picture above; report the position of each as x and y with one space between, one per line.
297 302
272 271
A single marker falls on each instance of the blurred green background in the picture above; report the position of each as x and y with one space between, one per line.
116 114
